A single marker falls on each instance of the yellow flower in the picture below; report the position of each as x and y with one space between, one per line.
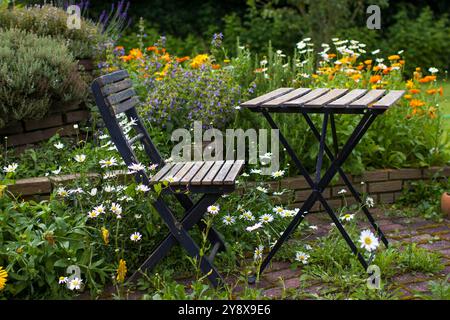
226 61
199 60
121 271
414 103
136 53
409 84
105 235
394 57
407 96
3 278
2 189
368 62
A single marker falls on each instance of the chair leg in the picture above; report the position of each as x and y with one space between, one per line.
191 217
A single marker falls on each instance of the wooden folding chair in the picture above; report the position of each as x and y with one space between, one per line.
114 95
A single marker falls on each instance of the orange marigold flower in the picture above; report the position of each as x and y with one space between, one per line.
414 103
402 61
414 91
441 91
331 55
215 66
407 96
368 62
409 84
418 69
375 79
394 57
166 57
427 79
182 59
152 48
431 91
376 68
360 67
126 58
387 70
136 53
199 60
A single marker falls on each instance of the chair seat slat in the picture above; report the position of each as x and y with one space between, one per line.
197 179
180 174
194 169
172 172
234 171
137 137
212 172
161 172
221 175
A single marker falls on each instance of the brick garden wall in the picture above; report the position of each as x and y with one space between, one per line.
385 186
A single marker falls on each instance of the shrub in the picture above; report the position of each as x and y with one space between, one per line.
35 73
48 20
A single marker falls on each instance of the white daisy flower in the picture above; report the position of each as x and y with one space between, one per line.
228 220
258 252
93 192
57 171
266 218
62 192
213 210
376 51
255 171
142 188
108 188
116 209
135 167
106 163
62 280
153 166
278 174
370 202
279 210
254 227
58 145
348 217
80 158
77 190
247 215
368 240
433 70
93 214
100 209
342 191
136 237
262 189
302 257
11 168
312 227
75 284
308 247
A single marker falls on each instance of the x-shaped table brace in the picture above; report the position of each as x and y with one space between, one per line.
321 182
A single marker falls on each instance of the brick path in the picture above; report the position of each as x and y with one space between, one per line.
427 234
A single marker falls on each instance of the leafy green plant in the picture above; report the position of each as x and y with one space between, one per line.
36 73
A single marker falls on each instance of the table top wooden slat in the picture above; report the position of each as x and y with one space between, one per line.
125 105
209 177
307 97
117 86
234 171
389 99
222 174
367 99
326 98
197 179
348 98
286 97
266 97
191 173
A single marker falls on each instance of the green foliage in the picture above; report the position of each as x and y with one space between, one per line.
424 38
35 74
439 289
48 20
426 196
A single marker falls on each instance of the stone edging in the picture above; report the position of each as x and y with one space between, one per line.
384 185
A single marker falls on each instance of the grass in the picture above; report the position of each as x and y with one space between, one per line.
445 105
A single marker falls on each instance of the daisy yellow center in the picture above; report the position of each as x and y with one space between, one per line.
368 241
